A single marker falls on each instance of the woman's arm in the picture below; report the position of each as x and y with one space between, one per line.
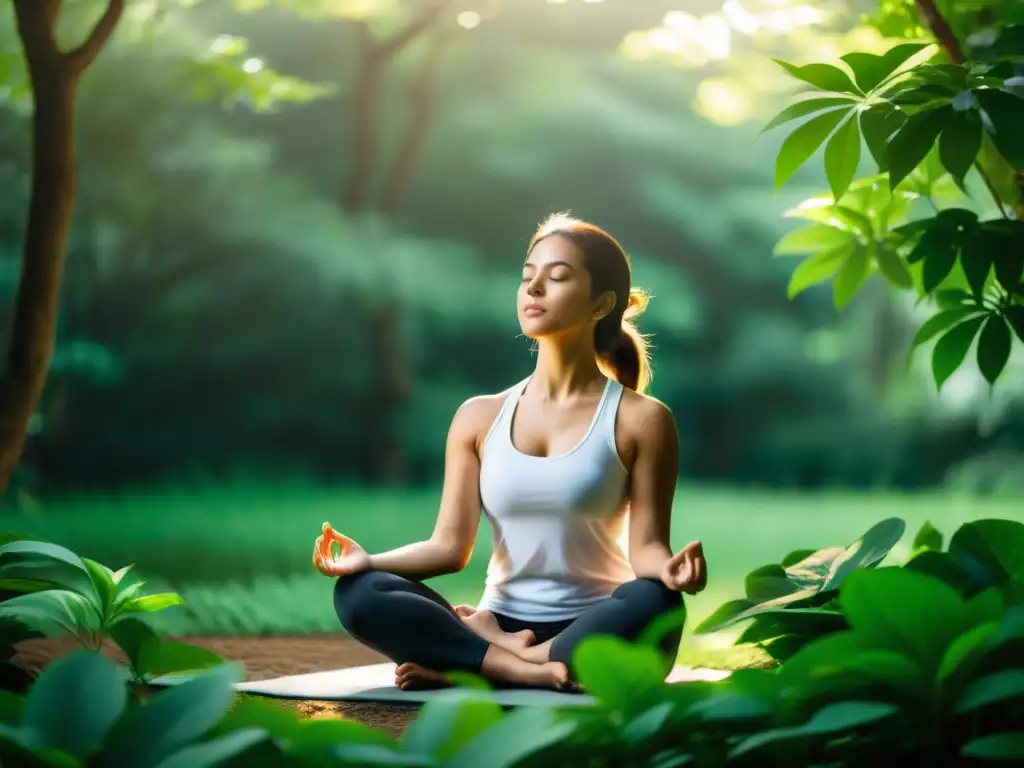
449 547
652 487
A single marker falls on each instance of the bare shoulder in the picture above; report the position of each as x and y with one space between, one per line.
647 419
474 417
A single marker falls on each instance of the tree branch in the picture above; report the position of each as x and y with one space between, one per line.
423 99
387 48
84 55
940 28
36 20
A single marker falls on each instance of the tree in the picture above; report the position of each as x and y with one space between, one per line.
941 119
54 75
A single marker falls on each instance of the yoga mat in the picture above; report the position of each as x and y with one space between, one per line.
375 683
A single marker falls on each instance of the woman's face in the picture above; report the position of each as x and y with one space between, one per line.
554 295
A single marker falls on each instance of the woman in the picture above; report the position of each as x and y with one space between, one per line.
575 472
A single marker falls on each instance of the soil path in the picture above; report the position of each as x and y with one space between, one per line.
266 657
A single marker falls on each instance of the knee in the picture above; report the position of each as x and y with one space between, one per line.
649 596
355 596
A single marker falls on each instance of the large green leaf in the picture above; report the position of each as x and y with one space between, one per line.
447 724
904 611
871 70
997 746
805 108
74 703
823 76
941 566
172 720
940 322
617 673
819 268
1006 115
878 124
171 658
811 239
822 572
215 751
991 551
43 549
521 734
911 144
804 142
133 636
960 143
991 689
852 275
951 350
68 610
102 579
842 157
149 603
993 348
830 720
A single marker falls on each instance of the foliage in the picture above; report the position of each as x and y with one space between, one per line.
922 672
49 587
927 115
797 600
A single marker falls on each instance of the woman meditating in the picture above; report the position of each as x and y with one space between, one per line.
575 471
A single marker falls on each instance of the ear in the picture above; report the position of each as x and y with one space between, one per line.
603 306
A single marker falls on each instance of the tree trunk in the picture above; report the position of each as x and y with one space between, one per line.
54 76
54 182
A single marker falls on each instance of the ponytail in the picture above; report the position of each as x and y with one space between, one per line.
622 351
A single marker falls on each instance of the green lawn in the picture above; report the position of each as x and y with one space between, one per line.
240 555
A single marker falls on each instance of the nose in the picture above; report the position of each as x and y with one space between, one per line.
535 286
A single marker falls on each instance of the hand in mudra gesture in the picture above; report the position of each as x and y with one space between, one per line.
687 570
351 559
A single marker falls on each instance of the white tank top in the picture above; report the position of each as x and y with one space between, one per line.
559 523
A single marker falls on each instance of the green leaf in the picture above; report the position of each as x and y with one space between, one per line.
966 650
852 275
172 719
897 609
56 606
132 637
960 143
215 751
170 658
991 552
1006 115
823 76
938 263
928 537
618 673
806 107
446 725
725 615
831 719
150 603
43 549
870 69
796 556
647 724
997 746
811 239
878 124
103 582
991 689
949 351
655 632
892 267
818 268
804 142
976 259
842 157
523 733
941 566
768 582
911 145
74 703
993 348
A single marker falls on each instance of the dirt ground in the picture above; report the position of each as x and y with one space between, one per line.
266 657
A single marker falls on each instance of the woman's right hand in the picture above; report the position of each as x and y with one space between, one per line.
352 559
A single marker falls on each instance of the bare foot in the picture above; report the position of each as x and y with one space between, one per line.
485 625
413 677
504 666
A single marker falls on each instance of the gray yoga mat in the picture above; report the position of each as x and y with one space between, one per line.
375 683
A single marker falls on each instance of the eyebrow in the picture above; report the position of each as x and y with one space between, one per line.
551 264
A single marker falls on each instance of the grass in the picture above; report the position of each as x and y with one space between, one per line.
240 555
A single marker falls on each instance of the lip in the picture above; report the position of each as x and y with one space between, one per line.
532 310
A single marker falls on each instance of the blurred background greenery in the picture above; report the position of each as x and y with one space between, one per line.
296 248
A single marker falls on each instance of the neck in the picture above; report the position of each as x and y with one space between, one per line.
565 367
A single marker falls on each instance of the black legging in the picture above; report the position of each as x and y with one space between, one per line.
407 621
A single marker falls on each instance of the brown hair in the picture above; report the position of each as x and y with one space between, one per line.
622 350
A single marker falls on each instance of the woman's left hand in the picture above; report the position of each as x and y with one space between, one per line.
687 570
